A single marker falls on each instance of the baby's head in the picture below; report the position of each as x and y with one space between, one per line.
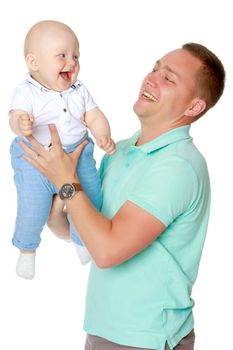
51 51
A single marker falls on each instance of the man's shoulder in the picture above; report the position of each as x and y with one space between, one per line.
192 156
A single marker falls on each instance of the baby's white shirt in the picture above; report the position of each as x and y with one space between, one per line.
65 109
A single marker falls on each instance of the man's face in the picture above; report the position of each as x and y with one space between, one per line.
169 89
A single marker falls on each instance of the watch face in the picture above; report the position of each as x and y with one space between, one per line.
67 191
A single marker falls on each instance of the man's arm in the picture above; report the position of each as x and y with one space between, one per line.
111 242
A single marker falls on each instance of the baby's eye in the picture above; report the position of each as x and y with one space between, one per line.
154 69
62 55
76 58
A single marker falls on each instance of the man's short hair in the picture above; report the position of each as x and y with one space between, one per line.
211 75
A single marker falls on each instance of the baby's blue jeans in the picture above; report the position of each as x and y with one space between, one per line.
35 193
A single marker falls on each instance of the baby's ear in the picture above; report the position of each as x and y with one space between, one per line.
31 62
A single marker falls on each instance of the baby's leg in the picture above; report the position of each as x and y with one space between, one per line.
32 214
89 176
34 198
90 181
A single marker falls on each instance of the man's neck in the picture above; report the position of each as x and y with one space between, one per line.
151 132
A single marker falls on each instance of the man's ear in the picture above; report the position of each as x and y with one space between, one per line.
31 62
197 106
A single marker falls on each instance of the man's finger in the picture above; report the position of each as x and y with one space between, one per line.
55 136
36 145
35 163
30 153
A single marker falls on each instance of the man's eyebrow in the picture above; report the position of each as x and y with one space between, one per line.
158 63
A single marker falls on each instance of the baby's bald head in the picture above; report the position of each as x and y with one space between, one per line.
40 35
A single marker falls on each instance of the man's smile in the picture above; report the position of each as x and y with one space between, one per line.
149 96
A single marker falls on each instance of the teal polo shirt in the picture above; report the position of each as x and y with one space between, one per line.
146 300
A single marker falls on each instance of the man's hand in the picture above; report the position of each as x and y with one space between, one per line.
26 124
55 164
106 144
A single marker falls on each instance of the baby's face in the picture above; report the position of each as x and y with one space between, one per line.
57 61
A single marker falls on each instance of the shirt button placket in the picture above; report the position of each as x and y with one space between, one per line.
64 109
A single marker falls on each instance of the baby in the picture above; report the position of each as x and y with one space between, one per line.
51 94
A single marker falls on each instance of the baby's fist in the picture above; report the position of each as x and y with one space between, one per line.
26 124
106 144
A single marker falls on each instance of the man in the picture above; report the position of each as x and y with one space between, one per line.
147 241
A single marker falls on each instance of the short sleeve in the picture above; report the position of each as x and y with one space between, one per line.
21 99
168 190
88 99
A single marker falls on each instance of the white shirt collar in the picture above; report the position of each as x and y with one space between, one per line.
42 88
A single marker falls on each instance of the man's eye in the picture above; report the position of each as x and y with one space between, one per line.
169 79
154 69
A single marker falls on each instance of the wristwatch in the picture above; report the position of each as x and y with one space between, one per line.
67 191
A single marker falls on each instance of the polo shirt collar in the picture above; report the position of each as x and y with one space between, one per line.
42 88
172 136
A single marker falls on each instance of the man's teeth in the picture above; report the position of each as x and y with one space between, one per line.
149 96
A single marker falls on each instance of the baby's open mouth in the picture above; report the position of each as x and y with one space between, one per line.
66 75
148 96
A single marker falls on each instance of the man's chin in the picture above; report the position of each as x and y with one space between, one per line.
138 108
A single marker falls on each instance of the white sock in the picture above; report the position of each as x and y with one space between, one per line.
83 254
26 265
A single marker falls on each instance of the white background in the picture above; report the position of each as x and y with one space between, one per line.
120 41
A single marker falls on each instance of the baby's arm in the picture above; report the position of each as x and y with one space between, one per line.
21 122
100 129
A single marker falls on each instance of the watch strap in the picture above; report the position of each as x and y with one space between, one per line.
78 187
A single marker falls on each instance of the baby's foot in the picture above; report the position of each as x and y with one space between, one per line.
26 265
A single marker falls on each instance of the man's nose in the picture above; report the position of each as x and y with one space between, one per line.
155 78
152 80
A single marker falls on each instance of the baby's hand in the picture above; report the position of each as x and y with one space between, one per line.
106 144
26 124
